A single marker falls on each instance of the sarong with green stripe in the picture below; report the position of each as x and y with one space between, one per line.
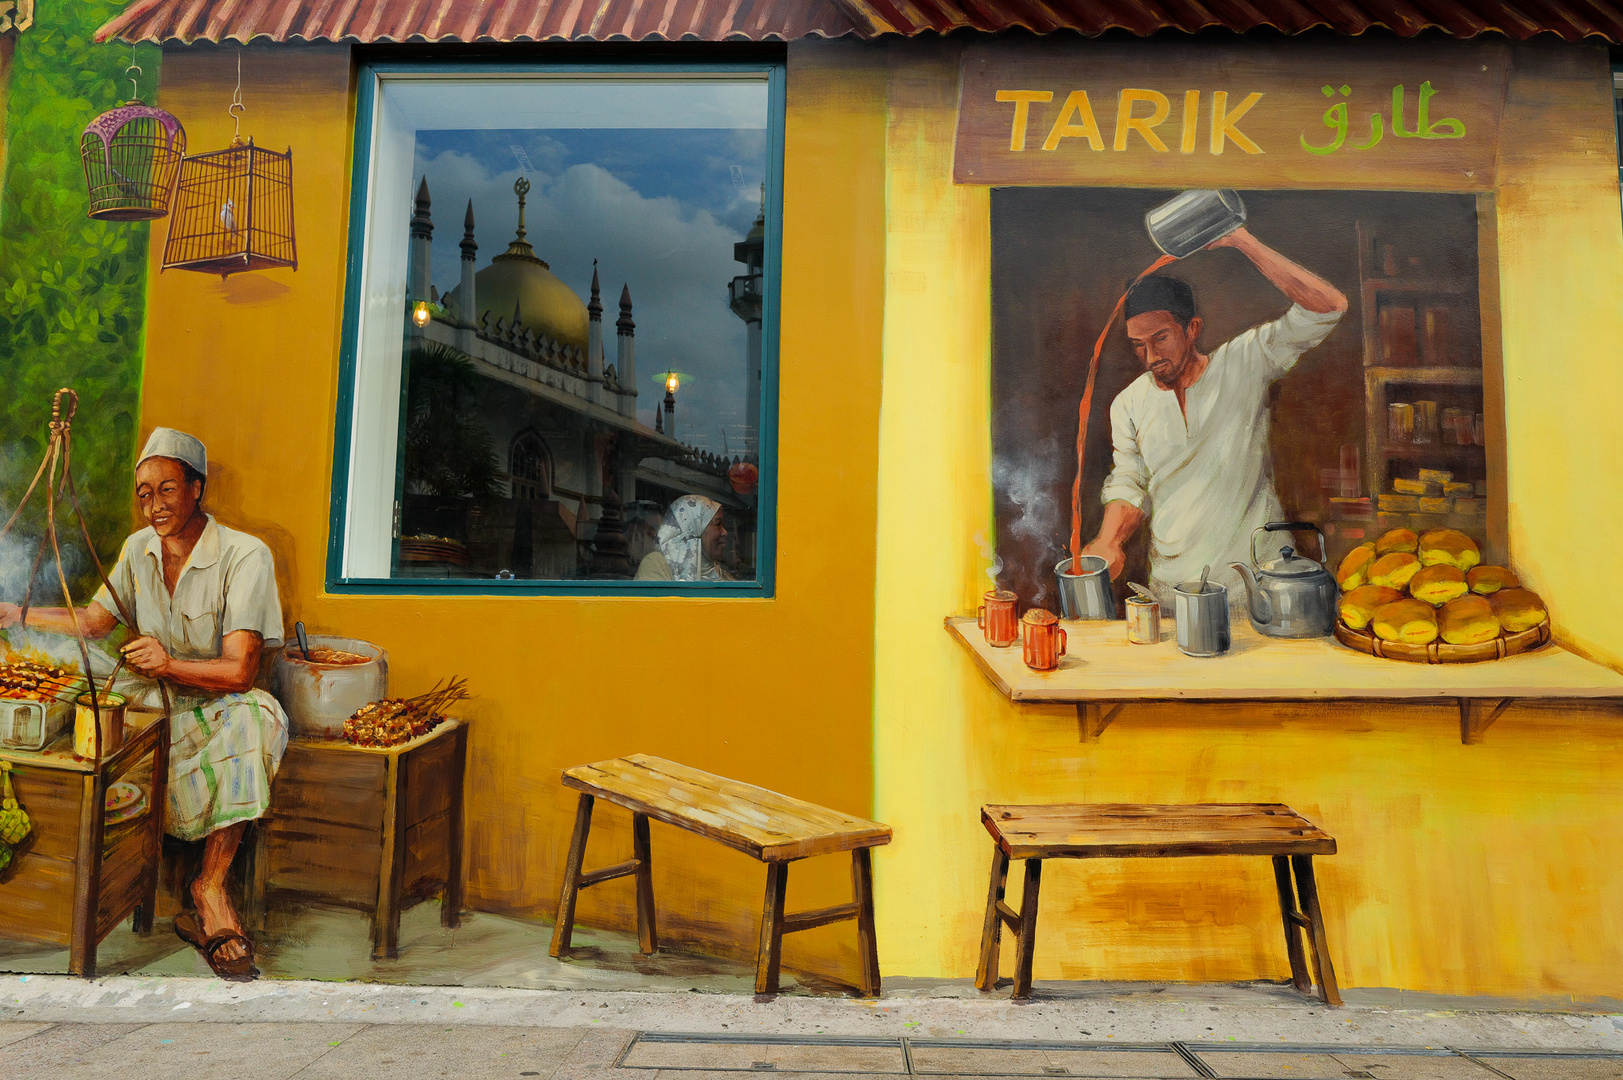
223 753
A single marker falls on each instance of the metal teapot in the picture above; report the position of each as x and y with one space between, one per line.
1293 596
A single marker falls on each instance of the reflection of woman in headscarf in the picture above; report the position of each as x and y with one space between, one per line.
691 541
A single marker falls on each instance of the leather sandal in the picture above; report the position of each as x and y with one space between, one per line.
240 969
189 928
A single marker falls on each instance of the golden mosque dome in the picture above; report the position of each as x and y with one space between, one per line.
518 278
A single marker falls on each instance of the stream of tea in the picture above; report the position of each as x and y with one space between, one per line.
1087 407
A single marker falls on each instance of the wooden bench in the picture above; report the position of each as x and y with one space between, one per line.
1136 831
762 824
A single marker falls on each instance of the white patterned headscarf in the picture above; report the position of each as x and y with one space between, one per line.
681 538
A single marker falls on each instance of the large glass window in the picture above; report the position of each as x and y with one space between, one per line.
561 338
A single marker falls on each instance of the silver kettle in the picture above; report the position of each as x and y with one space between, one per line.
1293 596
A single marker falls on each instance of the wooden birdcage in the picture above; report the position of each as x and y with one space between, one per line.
233 212
132 155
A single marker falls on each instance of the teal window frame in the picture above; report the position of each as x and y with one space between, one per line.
369 77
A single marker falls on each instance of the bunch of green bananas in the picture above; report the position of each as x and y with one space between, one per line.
14 823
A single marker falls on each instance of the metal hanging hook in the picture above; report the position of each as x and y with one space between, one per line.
237 108
135 86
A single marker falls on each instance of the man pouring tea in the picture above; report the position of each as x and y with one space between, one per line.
1190 435
205 605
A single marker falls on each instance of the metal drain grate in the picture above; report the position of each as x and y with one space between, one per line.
836 1055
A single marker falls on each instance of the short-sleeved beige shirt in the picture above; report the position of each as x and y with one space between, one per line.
228 584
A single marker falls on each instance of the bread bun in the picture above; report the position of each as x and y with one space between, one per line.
1437 585
1397 540
1394 570
1358 606
1449 547
1468 621
1487 580
1411 622
1354 569
1518 609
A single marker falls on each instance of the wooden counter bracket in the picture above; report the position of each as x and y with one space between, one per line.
1092 717
1477 716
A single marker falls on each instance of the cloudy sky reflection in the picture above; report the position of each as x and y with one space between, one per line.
659 209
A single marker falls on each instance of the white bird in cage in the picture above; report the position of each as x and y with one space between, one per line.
228 217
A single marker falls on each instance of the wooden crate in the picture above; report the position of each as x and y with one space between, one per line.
365 828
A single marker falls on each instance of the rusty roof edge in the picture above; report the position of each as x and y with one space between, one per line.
140 22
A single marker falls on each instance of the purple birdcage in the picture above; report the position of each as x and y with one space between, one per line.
132 155
233 212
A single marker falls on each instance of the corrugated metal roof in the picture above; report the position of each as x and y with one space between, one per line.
759 20
475 20
1573 20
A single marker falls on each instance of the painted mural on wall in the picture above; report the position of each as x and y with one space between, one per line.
1216 390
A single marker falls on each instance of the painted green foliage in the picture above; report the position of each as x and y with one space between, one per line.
72 290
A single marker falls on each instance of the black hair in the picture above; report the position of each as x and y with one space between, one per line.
192 476
1161 293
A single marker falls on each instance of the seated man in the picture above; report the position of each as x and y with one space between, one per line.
205 606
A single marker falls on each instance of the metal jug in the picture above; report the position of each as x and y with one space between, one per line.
1293 596
1086 593
1188 222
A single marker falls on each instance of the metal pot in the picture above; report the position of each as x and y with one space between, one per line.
1293 596
320 697
1188 222
1086 593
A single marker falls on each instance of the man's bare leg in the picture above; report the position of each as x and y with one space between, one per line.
208 891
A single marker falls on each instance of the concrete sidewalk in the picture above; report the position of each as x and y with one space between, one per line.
132 1028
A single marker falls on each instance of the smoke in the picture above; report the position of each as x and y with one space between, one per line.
995 570
17 553
1029 482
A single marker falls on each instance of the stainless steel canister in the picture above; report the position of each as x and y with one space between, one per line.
1085 594
1203 618
1143 620
1188 222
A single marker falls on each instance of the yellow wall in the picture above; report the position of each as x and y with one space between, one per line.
775 692
1462 869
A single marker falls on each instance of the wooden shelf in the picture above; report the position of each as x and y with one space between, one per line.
1102 669
1421 451
1382 375
1416 286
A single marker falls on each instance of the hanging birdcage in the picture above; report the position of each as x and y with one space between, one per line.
132 155
233 212
234 209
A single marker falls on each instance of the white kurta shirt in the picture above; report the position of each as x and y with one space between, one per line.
1205 478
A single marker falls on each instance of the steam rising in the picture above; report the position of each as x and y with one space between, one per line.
17 551
1028 480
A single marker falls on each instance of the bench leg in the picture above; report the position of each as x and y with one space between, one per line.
647 932
1293 933
771 951
1028 930
867 945
1308 888
565 924
992 927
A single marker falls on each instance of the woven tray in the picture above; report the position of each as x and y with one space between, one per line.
1439 652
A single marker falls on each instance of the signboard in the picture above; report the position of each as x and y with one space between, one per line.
1246 115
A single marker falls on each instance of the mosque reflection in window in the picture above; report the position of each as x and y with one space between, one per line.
631 444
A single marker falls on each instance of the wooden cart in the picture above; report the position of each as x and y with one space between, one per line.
73 878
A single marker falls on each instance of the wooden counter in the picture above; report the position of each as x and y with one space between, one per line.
1102 671
74 877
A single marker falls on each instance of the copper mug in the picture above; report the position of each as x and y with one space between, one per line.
996 618
1044 639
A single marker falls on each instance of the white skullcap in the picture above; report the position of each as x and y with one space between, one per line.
169 443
